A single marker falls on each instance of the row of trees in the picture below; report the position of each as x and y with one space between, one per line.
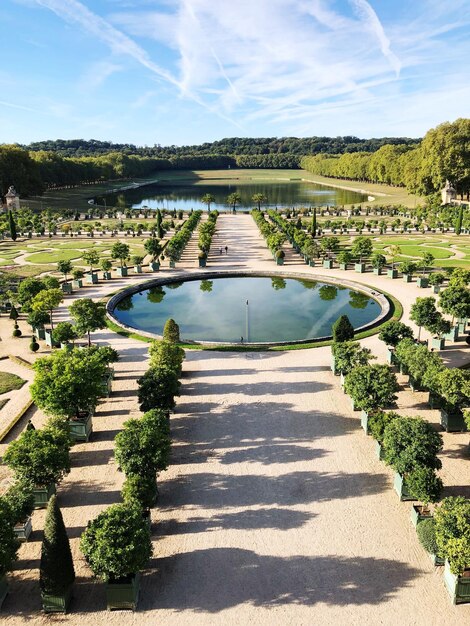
443 154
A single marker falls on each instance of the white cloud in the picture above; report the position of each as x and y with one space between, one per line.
97 73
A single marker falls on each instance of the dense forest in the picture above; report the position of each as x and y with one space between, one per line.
420 166
227 147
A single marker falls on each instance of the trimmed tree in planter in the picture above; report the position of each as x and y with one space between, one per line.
426 531
344 258
436 279
171 331
378 262
92 258
438 327
453 386
423 313
56 571
362 247
348 355
424 264
65 267
46 301
120 251
154 248
166 354
27 290
455 301
9 545
394 252
42 458
157 389
371 387
410 442
407 268
106 266
63 333
377 422
20 498
453 541
424 485
116 545
342 329
37 319
78 278
88 316
393 332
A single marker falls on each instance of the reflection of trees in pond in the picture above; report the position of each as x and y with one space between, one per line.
308 284
206 285
125 304
173 285
328 292
358 300
278 283
156 294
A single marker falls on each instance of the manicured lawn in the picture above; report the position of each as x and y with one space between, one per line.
53 256
8 382
418 251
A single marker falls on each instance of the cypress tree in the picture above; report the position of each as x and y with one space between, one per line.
458 224
159 224
56 572
314 223
171 331
12 225
343 330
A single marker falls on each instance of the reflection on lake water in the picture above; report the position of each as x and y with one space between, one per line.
257 309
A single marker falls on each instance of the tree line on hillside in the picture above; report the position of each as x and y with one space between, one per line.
444 153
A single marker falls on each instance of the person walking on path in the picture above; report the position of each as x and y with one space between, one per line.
221 250
226 249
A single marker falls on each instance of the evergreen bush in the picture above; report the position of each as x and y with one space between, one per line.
343 330
56 571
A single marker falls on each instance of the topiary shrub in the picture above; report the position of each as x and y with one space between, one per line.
157 389
371 386
16 331
410 442
426 531
166 354
343 330
34 345
171 331
393 332
350 354
56 571
116 544
377 422
453 532
142 489
423 484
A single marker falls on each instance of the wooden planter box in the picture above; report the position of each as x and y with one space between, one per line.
379 451
360 268
312 263
81 429
391 358
49 340
377 271
67 347
66 288
154 266
415 385
353 405
436 288
24 529
333 365
328 264
453 335
417 514
3 589
172 264
78 283
42 495
403 369
279 261
107 276
343 266
399 485
342 379
92 279
56 603
138 269
407 278
435 401
436 560
122 271
364 421
462 326
422 282
452 421
123 595
457 586
106 382
39 332
438 343
392 273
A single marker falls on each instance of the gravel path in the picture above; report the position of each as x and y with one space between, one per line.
274 510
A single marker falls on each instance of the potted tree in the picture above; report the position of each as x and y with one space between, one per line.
9 545
376 425
410 442
439 327
116 546
157 389
137 261
427 261
88 316
455 301
452 538
280 255
362 247
56 571
63 334
407 268
78 276
371 387
106 266
65 267
436 279
394 252
40 457
423 312
453 386
154 248
121 251
378 263
91 257
391 334
46 301
37 319
20 499
344 258
342 329
202 258
348 355
329 245
426 531
425 486
171 331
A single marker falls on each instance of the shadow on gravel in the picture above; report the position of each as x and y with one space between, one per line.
228 577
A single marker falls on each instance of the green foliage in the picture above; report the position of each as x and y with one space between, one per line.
78 274
167 355
171 331
88 316
37 319
12 226
344 257
378 421
106 265
64 332
423 312
426 531
120 251
64 267
9 544
157 389
56 571
40 457
378 260
208 199
153 247
371 386
458 223
436 278
20 499
91 257
454 386
27 290
233 199
349 355
343 330
47 300
9 382
423 484
141 489
421 364
408 267
459 277
453 532
362 247
410 442
67 383
116 544
393 332
455 300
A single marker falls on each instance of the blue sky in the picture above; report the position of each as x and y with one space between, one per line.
189 71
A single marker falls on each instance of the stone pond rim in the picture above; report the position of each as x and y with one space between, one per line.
185 276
